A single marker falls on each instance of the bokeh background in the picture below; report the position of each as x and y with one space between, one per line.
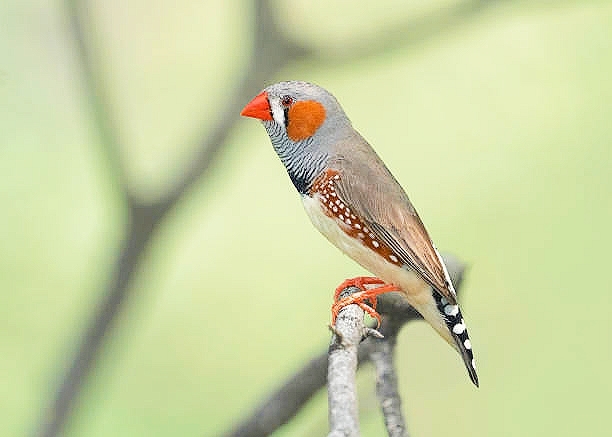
495 117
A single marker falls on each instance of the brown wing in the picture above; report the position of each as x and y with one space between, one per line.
376 197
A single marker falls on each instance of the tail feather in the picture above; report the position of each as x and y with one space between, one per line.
458 330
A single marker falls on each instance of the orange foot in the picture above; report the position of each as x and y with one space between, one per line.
360 298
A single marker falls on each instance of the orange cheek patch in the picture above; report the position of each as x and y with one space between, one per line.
305 117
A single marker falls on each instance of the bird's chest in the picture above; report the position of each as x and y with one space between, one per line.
342 226
340 222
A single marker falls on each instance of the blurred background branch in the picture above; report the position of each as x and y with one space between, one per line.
410 32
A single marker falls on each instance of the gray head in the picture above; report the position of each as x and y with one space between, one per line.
303 121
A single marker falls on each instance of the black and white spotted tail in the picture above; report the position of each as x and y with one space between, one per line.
456 325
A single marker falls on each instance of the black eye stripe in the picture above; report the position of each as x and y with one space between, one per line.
286 112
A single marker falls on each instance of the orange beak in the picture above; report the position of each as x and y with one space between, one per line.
259 107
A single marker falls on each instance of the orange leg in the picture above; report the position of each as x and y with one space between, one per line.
360 298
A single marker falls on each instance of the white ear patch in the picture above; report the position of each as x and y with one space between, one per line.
278 112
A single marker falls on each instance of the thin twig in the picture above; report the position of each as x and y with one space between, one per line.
413 31
286 401
386 387
96 95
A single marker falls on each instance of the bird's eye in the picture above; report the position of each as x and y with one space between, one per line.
286 101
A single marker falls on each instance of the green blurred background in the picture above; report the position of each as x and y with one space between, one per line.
495 120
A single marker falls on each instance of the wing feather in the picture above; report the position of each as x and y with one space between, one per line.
387 210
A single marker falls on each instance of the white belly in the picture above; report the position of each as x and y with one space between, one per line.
418 293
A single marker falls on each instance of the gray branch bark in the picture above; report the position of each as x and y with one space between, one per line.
342 368
386 387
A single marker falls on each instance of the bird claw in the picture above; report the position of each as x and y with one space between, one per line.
361 297
359 282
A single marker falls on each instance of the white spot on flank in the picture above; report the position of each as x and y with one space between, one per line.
348 221
375 243
360 235
336 177
357 225
451 310
393 258
341 217
467 344
333 194
335 209
459 328
337 201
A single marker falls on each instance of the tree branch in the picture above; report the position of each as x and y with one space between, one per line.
386 387
275 411
286 401
342 367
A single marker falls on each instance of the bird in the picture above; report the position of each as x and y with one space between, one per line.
357 204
